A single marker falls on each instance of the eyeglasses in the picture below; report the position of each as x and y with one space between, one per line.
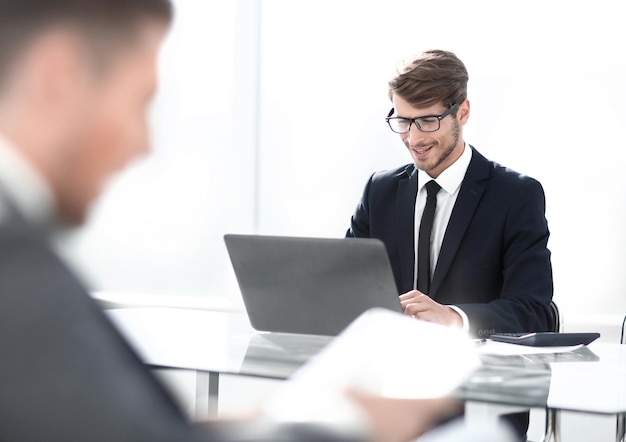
428 123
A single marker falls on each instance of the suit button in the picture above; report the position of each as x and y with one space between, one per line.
480 333
492 331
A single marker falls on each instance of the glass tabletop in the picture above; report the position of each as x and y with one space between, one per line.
589 379
218 342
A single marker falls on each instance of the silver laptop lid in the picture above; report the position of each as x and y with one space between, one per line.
310 285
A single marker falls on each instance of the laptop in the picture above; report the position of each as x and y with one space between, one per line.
310 285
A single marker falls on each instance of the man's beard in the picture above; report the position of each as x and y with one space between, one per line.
456 133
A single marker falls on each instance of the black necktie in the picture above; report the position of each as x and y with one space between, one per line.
423 244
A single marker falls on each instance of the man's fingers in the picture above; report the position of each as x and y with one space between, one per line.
410 295
414 298
415 309
418 299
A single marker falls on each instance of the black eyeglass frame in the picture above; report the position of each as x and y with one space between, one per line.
415 121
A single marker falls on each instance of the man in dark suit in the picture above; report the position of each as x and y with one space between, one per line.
76 78
480 261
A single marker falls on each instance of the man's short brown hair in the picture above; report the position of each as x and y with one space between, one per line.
104 23
434 76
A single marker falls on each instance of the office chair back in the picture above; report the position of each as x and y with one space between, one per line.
621 418
557 326
553 418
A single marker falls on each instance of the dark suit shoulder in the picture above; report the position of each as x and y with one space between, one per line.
500 174
67 358
390 176
508 174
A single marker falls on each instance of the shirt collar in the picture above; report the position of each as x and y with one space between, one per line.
27 190
450 179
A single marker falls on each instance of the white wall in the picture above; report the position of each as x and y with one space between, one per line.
158 229
547 95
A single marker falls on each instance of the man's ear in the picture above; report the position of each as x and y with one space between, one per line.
48 93
464 111
56 68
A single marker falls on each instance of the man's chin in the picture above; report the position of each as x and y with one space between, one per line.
423 164
74 214
73 219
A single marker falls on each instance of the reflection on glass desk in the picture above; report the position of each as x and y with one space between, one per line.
518 379
588 379
213 342
279 355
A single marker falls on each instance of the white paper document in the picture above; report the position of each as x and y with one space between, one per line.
393 355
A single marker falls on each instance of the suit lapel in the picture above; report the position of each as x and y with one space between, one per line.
405 235
470 194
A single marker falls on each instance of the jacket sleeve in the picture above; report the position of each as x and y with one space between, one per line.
527 285
360 221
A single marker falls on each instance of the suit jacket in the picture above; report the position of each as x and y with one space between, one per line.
494 262
66 373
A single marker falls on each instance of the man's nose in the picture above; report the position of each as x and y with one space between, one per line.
414 136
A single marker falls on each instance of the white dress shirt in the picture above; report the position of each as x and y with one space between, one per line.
26 189
450 181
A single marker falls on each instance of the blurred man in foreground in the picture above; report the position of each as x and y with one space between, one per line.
76 79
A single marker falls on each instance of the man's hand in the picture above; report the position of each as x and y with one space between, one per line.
421 306
380 419
402 420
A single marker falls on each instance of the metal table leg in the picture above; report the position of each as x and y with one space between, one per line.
553 426
207 394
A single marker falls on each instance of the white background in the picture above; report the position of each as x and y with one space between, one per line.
270 119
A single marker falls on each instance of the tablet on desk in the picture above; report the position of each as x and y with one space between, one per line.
546 339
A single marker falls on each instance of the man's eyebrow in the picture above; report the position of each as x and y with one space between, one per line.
421 116
393 110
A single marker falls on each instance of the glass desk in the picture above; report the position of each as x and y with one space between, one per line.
220 342
569 381
590 379
212 343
